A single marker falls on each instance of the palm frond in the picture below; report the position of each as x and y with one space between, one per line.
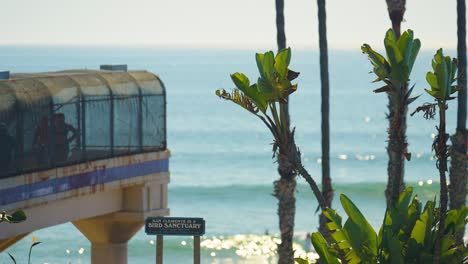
239 98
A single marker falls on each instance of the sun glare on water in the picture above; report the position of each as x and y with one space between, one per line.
252 246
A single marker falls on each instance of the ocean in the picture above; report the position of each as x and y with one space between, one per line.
221 166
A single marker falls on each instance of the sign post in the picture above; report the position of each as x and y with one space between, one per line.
159 249
196 250
175 226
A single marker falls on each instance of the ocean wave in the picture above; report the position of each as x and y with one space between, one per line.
362 188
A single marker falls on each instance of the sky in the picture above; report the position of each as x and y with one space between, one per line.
223 24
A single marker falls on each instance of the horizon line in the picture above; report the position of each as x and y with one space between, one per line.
194 47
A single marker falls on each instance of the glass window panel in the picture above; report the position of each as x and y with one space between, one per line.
97 129
8 143
66 134
35 137
125 125
154 123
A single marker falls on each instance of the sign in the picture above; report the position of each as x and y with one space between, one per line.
175 226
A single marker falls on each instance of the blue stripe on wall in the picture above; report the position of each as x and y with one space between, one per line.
57 185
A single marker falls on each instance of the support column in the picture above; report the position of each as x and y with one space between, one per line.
109 235
110 252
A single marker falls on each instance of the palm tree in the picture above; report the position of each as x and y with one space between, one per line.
266 100
397 146
458 175
395 73
286 185
396 11
327 190
442 89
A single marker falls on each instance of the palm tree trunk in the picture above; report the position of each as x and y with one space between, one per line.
461 50
396 11
327 190
441 152
284 192
286 185
290 165
458 154
280 35
281 41
458 174
397 146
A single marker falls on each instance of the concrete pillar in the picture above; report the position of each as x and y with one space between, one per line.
113 253
109 235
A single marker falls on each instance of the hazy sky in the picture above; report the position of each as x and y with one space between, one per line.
217 23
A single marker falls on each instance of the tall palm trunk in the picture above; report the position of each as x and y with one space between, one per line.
280 35
458 154
286 185
281 41
327 190
396 11
284 192
397 145
441 152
